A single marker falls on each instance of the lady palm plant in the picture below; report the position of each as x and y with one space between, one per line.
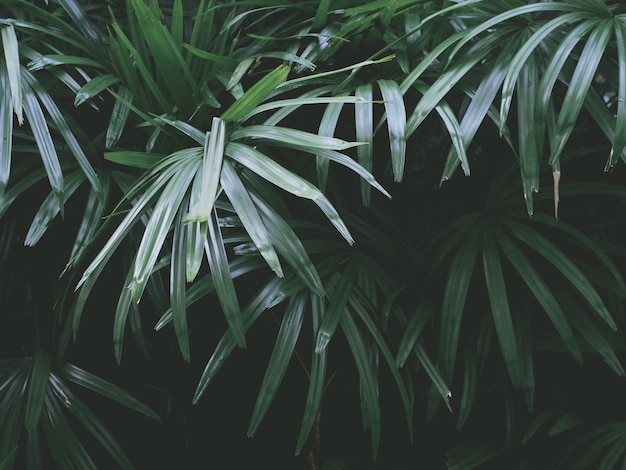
205 166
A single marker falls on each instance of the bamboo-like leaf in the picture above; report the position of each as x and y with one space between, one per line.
119 116
177 23
565 266
542 293
327 127
364 124
211 169
256 94
172 165
348 162
500 309
178 288
457 286
49 209
578 86
277 365
224 287
478 108
6 131
593 335
368 380
240 70
368 316
396 123
159 226
324 204
12 62
285 135
94 87
551 72
46 147
106 389
276 288
247 212
619 141
412 331
529 153
317 375
337 307
167 56
90 222
519 60
289 246
196 235
66 132
271 171
65 396
121 315
64 445
37 386
470 380
134 159
447 80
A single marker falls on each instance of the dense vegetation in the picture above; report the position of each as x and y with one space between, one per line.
221 214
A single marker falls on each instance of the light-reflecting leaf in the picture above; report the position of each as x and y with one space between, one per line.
213 154
364 124
94 87
396 123
178 287
256 94
12 62
224 286
247 212
337 306
6 131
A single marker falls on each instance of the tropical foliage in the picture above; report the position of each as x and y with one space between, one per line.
296 169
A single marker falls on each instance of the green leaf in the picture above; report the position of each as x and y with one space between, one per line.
368 380
271 171
119 116
12 61
83 414
542 293
364 123
37 386
106 389
500 309
396 123
457 285
565 266
6 131
134 159
412 331
49 209
317 375
213 154
94 87
289 246
46 147
619 141
284 135
178 288
277 365
529 153
337 307
327 127
247 212
256 94
224 286
167 57
578 86
159 226
66 132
